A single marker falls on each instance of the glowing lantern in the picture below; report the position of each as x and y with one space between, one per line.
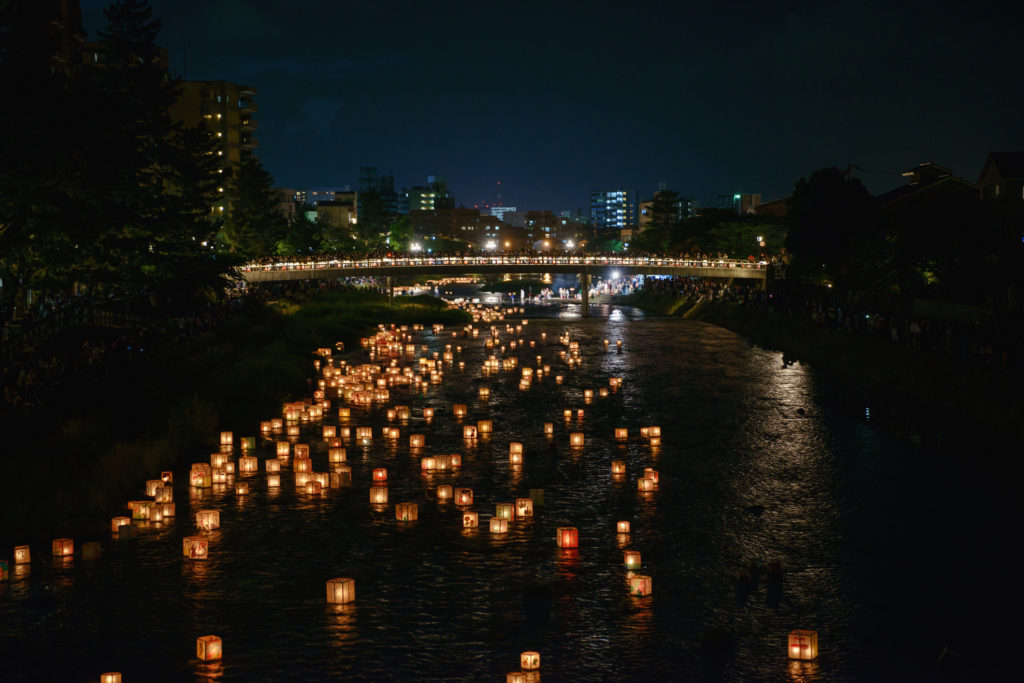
468 432
579 414
248 443
649 432
208 520
344 413
276 424
567 537
803 645
284 449
379 495
558 379
22 554
499 526
529 661
463 496
265 427
341 591
380 475
293 430
110 677
622 527
248 464
229 468
417 441
196 547
651 474
151 485
119 522
459 410
428 463
302 478
568 414
218 460
618 467
156 513
301 450
227 439
603 392
273 480
640 585
470 520
313 488
336 456
524 507
63 547
428 414
168 509
407 512
655 441
517 677
631 559
344 432
505 511
330 431
208 648
242 488
167 477
515 459
164 494
364 434
140 508
272 466
549 428
621 433
444 492
485 393
515 448
588 394
645 484
303 464
484 426
201 475
576 439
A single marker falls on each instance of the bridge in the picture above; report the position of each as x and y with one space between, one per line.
583 266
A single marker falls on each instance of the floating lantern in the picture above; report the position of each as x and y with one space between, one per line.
456 460
463 496
208 648
417 441
273 480
645 484
364 434
650 432
516 677
459 410
444 492
303 464
484 426
515 448
621 433
568 414
336 455
588 394
63 547
229 468
301 450
313 488
622 527
618 467
167 477
341 591
499 526
576 439
549 428
407 512
248 464
201 475
579 414
631 559
655 441
428 414
276 424
344 432
196 547
428 463
558 379
505 511
390 414
168 509
265 427
140 508
524 507
91 550
651 474
272 466
156 514
117 522
248 443
227 439
640 585
618 344
293 430
468 432
803 645
110 677
164 494
284 449
218 460
380 475
151 485
208 520
485 393
22 554
470 520
529 661
344 413
330 431
402 412
379 495
567 537
302 478
603 392
242 488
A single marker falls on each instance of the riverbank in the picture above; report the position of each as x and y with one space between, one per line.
974 395
76 463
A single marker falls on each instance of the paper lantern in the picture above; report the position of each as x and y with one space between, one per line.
265 427
576 439
622 527
110 677
168 509
459 410
344 473
485 393
272 466
248 443
417 441
516 677
379 495
631 559
229 468
567 537
227 438
621 433
364 434
242 488
505 511
444 492
603 392
463 496
380 475
549 428
803 645
456 460
163 494
529 661
91 550
63 547
484 426
468 432
140 508
208 520
428 414
470 520
196 547
218 460
344 432
645 484
428 463
524 507
341 591
313 488
407 512
579 414
293 430
640 585
499 526
273 480
568 414
248 464
330 431
651 474
654 441
22 554
648 432
156 513
208 648
302 478
302 464
284 449
515 459
515 448
344 413
167 477
302 450
151 485
276 424
119 522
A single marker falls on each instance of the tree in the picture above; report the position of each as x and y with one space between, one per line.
254 225
373 220
401 233
304 236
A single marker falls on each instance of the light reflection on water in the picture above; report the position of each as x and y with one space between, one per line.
755 466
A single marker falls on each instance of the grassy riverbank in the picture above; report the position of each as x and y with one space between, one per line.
73 465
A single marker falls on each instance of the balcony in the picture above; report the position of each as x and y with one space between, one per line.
245 104
248 123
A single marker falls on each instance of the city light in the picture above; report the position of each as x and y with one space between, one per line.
415 246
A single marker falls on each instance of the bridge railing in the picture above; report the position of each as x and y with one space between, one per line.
584 261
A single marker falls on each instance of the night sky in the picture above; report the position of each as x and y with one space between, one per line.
556 99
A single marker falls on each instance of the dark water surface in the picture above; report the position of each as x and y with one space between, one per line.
884 540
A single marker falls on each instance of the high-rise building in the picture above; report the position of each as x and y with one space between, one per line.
433 196
613 209
383 185
228 112
738 202
500 211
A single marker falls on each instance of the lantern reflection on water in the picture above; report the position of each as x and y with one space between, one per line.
341 591
567 537
196 547
208 648
803 644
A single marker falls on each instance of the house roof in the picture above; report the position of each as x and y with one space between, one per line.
905 191
1008 164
